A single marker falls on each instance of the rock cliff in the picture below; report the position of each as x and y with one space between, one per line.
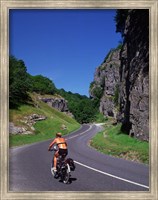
107 79
57 103
123 78
134 75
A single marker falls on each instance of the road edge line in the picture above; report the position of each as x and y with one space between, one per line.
111 175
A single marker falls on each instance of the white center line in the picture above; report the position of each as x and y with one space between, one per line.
80 133
122 179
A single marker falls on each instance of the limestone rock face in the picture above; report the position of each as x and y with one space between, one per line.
134 75
121 82
57 103
107 78
28 122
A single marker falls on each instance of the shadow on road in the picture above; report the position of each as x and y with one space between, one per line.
70 180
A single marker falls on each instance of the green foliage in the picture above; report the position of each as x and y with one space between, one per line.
92 84
112 141
83 108
85 111
120 19
18 82
21 83
96 103
100 118
98 92
42 85
45 129
119 46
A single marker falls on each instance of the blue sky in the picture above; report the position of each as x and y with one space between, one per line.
64 45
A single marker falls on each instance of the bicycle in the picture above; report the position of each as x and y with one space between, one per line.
64 167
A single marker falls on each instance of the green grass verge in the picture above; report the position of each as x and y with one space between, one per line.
45 129
113 142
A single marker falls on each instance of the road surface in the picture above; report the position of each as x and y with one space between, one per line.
29 168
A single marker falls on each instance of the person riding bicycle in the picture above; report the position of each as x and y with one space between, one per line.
62 148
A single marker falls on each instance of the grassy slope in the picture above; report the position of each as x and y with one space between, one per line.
45 129
110 141
113 142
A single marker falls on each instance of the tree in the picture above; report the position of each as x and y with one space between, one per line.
42 85
83 108
85 111
18 82
98 91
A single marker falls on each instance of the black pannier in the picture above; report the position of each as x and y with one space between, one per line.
71 163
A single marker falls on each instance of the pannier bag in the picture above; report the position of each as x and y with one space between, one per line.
71 163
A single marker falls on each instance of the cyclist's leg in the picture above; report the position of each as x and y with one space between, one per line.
55 159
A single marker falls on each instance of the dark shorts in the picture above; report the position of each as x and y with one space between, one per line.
63 152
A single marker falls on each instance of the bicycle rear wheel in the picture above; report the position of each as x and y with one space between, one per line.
66 175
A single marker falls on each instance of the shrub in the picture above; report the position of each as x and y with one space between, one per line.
98 92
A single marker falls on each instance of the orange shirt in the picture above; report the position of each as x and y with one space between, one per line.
60 142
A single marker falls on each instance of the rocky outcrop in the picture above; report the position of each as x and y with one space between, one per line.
57 103
16 130
107 79
123 78
28 122
134 75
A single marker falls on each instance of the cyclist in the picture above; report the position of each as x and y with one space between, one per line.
62 148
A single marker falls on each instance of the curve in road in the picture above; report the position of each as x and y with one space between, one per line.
29 167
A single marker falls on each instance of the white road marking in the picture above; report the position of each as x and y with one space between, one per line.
122 179
99 124
80 133
107 174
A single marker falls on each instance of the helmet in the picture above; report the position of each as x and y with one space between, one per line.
59 134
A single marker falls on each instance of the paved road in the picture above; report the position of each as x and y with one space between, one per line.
29 168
